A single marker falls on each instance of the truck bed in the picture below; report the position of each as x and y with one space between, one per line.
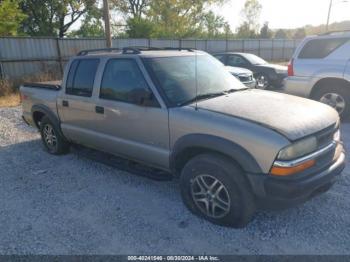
39 93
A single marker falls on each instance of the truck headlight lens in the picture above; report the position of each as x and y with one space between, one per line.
298 149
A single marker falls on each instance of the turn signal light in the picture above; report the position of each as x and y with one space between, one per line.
286 171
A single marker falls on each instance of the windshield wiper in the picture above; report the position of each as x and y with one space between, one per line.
201 97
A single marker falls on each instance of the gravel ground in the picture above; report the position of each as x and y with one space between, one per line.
72 205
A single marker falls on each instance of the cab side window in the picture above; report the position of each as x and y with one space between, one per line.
221 58
235 60
81 76
123 80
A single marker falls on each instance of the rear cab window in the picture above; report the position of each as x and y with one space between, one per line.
321 48
81 76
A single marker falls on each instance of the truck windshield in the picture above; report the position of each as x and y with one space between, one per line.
178 77
255 60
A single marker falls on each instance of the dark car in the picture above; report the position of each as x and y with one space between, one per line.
267 75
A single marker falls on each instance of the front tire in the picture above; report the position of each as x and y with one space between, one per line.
52 138
214 187
336 97
262 81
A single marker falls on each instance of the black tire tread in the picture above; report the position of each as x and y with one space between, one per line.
234 179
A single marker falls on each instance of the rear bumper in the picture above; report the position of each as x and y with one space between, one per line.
276 193
299 86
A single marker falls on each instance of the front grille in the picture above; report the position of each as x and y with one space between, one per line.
326 136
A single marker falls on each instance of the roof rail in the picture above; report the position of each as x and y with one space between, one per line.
179 48
334 32
87 51
131 50
138 49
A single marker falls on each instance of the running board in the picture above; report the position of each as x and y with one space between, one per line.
122 163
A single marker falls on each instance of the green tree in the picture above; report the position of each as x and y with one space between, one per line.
134 9
299 33
139 28
214 24
179 18
265 31
92 25
251 15
281 34
244 31
53 17
11 17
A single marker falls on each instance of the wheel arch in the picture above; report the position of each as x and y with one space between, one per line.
328 81
191 145
39 111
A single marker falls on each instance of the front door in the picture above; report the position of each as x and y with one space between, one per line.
138 131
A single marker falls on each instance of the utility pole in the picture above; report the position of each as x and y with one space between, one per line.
107 24
329 14
330 10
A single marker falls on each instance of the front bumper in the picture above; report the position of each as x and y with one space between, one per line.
251 84
282 192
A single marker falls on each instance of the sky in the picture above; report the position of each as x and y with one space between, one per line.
288 13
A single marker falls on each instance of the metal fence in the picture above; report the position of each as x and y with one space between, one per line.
26 56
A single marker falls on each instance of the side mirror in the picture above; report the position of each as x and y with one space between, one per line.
140 96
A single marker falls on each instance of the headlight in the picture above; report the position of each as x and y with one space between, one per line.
298 149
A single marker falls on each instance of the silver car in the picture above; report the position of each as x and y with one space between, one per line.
234 149
320 69
244 75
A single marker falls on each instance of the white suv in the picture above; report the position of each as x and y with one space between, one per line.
320 69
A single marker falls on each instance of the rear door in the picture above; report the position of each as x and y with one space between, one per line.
76 104
127 128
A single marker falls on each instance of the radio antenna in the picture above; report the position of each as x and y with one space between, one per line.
195 76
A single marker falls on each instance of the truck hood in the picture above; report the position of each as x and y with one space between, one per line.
291 116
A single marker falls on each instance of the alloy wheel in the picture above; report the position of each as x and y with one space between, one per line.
334 100
262 82
50 137
210 196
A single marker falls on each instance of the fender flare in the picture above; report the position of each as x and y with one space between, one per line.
48 112
217 144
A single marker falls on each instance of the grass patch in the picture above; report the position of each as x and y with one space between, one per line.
10 100
9 89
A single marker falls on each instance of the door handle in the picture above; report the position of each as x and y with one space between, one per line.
65 103
99 110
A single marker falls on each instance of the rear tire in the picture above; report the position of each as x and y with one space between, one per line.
52 138
225 197
337 97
